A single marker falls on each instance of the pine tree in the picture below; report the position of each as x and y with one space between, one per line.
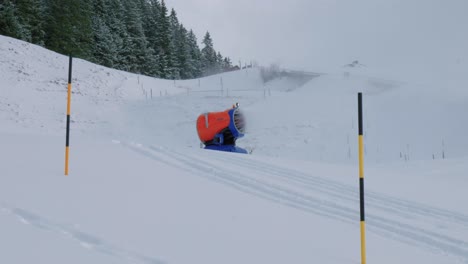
151 26
69 27
176 53
227 64
163 43
219 62
104 49
183 53
150 22
208 56
114 19
150 12
31 15
194 59
148 57
137 53
9 24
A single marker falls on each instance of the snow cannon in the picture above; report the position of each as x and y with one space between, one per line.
220 130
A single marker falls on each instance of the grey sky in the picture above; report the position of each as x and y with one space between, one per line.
318 34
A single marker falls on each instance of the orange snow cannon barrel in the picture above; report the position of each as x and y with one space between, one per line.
228 125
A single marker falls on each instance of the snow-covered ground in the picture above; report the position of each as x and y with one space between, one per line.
141 190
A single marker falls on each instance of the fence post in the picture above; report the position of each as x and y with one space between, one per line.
222 85
361 181
67 142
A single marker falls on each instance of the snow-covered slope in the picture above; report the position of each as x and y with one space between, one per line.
418 121
141 190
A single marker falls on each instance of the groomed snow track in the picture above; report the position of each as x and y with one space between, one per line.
306 192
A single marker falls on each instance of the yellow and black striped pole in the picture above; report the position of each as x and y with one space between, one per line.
361 181
67 143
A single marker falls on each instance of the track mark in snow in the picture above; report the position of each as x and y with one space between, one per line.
349 193
86 240
343 210
412 234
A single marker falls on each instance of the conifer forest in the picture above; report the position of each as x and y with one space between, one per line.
139 36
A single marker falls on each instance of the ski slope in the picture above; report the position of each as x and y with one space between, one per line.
141 190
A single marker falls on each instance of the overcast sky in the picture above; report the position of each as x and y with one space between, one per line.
316 34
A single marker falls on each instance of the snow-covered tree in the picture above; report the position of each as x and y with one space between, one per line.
31 15
227 64
140 36
9 23
194 59
175 52
105 49
137 54
69 27
114 18
208 56
163 42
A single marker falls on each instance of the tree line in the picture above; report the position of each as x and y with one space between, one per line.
139 36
